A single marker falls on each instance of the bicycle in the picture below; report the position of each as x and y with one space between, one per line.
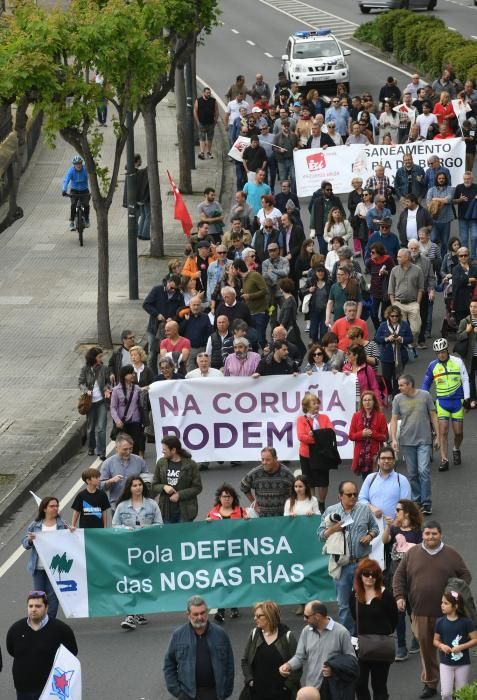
79 220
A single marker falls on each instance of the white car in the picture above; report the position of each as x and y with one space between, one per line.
315 58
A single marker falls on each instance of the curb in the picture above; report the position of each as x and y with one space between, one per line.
64 449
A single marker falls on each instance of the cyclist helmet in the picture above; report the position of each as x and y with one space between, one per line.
77 159
440 344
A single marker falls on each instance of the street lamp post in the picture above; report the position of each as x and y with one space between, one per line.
132 209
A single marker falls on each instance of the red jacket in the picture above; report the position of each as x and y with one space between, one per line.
380 435
236 514
303 431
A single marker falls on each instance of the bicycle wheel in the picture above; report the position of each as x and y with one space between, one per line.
80 227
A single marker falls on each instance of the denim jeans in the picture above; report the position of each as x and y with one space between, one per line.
418 462
317 325
96 427
321 244
468 235
41 582
260 323
286 171
344 586
440 234
144 221
174 518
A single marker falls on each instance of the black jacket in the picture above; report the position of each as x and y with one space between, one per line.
157 302
324 452
341 684
423 219
317 218
325 140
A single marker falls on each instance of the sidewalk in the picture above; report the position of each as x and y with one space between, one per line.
48 301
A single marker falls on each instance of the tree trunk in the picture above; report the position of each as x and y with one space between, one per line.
185 177
102 309
21 119
157 224
193 65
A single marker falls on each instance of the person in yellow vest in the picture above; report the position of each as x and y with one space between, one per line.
452 387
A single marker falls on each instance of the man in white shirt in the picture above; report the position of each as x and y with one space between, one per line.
425 119
203 368
414 85
232 112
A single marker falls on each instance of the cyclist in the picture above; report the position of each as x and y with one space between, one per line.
451 380
78 177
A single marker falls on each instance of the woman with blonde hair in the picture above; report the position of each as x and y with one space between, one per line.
144 377
270 644
316 471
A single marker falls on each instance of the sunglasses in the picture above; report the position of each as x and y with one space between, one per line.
317 354
369 574
353 494
37 593
463 255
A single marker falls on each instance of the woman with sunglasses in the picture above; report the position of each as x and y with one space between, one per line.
47 520
393 335
464 279
269 645
316 360
333 134
399 535
375 611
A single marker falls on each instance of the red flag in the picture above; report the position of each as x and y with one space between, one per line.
180 209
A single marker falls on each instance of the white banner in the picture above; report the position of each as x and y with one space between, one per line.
64 681
64 560
236 152
233 418
340 164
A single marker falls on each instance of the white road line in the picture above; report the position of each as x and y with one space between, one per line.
268 55
453 29
473 37
219 99
235 31
344 43
65 501
252 43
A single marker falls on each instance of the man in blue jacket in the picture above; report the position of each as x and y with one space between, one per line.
79 189
199 662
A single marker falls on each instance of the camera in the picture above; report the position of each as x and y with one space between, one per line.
335 518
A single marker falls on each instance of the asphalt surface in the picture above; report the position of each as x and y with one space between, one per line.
119 665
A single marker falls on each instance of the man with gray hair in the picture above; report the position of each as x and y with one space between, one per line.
242 362
342 325
274 269
405 289
433 170
116 469
199 661
429 288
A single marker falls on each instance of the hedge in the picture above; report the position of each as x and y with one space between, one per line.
422 41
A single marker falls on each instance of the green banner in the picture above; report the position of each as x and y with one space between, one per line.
232 563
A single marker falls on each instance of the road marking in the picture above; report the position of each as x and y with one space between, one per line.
453 29
313 17
252 43
235 31
214 94
65 501
344 43
473 37
268 55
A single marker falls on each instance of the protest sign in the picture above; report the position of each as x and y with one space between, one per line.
234 417
232 563
238 147
340 164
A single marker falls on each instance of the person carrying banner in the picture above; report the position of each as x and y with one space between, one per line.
199 661
33 642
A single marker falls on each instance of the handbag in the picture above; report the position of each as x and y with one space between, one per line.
85 402
375 647
115 430
305 305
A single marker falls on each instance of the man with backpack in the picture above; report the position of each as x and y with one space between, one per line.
383 489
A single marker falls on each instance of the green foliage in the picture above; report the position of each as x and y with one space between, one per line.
422 41
468 692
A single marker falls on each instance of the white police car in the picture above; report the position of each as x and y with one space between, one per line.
316 58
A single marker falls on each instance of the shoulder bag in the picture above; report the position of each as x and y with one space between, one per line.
115 430
85 402
375 647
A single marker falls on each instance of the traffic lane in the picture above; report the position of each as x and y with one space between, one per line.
461 16
236 56
453 503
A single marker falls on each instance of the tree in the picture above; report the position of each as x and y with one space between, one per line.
124 43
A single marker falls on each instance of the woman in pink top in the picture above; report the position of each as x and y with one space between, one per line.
365 376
